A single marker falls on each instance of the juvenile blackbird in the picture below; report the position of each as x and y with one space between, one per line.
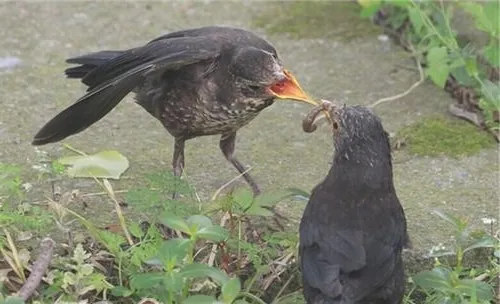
353 229
196 82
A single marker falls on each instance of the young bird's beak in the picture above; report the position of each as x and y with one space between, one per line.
289 88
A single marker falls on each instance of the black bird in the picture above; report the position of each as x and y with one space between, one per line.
353 228
196 82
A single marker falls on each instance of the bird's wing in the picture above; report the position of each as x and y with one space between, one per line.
326 255
351 262
110 82
165 54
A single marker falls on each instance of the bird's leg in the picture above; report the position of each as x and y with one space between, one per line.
226 144
178 161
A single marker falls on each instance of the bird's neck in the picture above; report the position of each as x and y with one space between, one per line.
361 169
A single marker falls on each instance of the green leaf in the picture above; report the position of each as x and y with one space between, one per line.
482 291
213 233
243 197
200 299
437 279
230 290
486 241
13 300
271 198
492 54
257 210
455 221
438 69
416 19
463 77
200 221
173 281
197 270
491 92
174 250
175 222
485 15
148 280
104 164
135 230
121 291
370 8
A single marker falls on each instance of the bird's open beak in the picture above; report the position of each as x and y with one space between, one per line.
289 88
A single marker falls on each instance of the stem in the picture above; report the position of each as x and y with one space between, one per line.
250 296
284 286
38 269
239 244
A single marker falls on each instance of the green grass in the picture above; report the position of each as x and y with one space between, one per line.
436 136
314 19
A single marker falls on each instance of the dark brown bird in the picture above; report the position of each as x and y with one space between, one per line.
196 82
353 229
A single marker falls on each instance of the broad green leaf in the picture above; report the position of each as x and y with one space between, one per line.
104 164
197 270
370 7
491 92
13 300
463 77
437 278
416 19
230 290
367 3
483 291
173 281
175 222
121 291
271 198
485 241
213 233
173 251
492 53
200 299
243 197
146 280
471 66
485 15
438 69
257 210
200 221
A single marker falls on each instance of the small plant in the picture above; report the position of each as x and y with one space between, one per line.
424 27
454 282
76 277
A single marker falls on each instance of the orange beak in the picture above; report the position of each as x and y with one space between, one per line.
290 89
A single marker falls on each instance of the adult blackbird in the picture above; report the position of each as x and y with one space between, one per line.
196 82
353 229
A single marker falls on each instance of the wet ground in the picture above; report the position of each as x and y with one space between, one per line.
352 65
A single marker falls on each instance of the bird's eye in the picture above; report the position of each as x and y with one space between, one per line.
335 125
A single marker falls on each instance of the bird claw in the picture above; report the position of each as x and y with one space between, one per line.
309 122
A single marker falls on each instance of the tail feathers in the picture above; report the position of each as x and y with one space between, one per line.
89 62
87 110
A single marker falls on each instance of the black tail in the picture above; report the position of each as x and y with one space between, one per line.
89 62
100 99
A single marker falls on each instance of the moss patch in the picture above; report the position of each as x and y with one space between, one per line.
314 19
445 136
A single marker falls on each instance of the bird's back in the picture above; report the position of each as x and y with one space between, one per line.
350 244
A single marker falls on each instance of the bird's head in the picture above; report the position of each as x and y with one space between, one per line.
260 73
355 128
